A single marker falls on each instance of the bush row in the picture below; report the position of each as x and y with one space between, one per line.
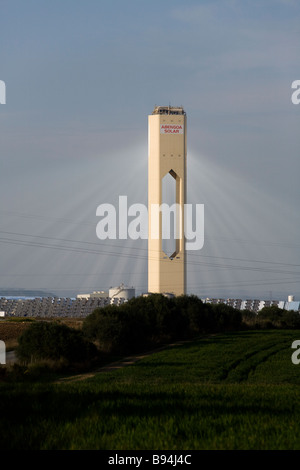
272 317
141 323
146 321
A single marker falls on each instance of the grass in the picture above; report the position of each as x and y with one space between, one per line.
228 391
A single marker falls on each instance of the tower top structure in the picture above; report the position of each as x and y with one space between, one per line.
168 110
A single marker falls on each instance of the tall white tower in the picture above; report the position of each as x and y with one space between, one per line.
167 156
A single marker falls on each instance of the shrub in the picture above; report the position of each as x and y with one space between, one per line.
48 340
279 318
226 317
199 316
118 329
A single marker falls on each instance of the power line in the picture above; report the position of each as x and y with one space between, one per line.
193 259
145 250
138 256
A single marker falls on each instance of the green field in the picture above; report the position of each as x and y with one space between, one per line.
226 391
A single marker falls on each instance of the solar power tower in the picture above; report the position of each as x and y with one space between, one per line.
166 161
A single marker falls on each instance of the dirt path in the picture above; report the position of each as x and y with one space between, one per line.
127 361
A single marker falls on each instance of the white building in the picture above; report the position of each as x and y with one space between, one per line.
94 295
121 294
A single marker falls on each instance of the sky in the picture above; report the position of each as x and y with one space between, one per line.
81 79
